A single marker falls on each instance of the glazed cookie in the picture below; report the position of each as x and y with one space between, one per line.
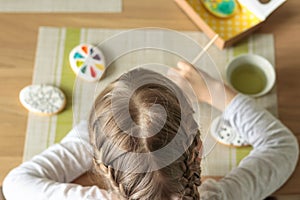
264 1
221 8
87 62
42 99
226 135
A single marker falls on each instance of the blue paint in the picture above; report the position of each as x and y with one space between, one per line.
78 55
226 7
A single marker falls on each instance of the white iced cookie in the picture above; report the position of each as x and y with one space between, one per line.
87 62
226 135
42 99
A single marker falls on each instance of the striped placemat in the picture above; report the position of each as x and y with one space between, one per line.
60 6
52 67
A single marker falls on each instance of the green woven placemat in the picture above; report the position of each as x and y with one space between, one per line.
52 67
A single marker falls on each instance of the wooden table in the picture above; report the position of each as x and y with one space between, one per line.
18 40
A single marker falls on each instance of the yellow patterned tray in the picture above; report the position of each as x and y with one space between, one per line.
230 29
227 28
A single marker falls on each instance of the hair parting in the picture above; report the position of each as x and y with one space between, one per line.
137 124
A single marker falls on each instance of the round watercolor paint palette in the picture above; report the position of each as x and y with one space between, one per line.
87 62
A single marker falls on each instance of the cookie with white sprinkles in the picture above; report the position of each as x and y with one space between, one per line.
226 135
42 99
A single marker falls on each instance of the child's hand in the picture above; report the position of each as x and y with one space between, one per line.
202 84
199 80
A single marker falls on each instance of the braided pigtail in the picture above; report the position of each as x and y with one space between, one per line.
109 174
191 179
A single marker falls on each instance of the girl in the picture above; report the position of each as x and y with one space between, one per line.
146 144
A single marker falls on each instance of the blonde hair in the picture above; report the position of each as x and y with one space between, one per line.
145 139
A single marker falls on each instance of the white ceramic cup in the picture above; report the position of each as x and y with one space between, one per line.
254 60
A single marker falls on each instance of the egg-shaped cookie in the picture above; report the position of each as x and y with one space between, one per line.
221 8
42 99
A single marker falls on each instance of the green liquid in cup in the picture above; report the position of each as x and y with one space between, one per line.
248 79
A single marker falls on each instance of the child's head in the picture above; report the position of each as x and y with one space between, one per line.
145 139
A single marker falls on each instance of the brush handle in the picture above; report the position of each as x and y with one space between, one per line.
205 49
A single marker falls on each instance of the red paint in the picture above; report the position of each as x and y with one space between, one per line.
93 73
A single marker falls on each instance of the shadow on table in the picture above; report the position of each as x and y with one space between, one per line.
1 194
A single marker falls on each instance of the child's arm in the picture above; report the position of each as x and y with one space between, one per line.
269 164
48 175
275 152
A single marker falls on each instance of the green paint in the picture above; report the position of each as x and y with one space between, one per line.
83 70
65 119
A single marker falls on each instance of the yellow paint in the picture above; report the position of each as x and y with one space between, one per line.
227 28
99 66
79 63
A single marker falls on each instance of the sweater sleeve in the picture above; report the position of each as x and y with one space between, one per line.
270 163
48 175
